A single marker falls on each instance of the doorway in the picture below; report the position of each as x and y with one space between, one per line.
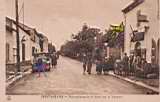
23 52
138 49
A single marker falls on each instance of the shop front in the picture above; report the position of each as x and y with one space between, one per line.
137 48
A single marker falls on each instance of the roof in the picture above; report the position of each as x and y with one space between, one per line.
43 37
27 29
132 5
23 27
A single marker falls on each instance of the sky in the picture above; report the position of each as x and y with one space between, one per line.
58 19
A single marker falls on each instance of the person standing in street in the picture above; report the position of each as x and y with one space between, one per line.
138 63
131 65
41 67
89 63
84 61
126 64
99 61
54 60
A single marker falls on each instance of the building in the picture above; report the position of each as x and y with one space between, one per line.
25 42
51 48
142 36
43 42
29 42
10 42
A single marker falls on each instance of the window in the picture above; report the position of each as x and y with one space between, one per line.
9 26
33 50
153 51
141 18
158 52
138 49
23 52
7 52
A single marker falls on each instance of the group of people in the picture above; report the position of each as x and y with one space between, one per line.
49 61
103 64
134 65
129 65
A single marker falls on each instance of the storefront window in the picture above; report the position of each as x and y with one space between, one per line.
153 50
158 52
33 51
7 52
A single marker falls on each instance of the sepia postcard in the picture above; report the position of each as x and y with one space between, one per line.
80 50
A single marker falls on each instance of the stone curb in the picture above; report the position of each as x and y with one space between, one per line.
15 79
135 82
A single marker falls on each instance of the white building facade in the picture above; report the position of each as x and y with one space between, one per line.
142 29
10 42
29 42
43 43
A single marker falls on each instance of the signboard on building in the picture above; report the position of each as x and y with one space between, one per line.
138 36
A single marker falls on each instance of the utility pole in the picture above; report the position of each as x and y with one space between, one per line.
158 11
17 36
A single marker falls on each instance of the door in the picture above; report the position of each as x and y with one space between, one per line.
158 52
7 52
23 52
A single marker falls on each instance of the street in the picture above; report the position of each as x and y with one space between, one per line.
68 79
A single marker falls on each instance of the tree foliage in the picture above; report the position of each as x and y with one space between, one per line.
114 36
81 42
84 40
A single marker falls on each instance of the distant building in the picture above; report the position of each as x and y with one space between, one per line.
142 36
43 42
51 48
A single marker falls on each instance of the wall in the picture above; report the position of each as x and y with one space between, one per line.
27 45
149 8
11 39
35 44
45 46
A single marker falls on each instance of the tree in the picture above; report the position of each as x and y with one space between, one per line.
115 36
81 42
85 38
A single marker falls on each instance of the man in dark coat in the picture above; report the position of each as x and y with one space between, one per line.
89 62
54 60
99 60
126 64
84 62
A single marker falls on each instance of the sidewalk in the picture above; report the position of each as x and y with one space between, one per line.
14 78
10 70
152 84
